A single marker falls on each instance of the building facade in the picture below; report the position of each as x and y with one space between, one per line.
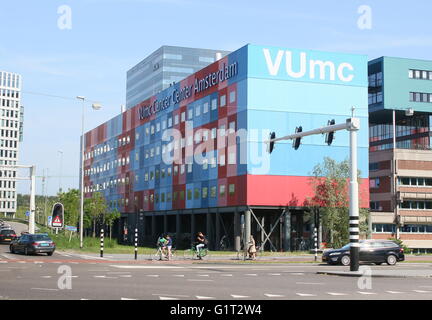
400 105
193 157
11 119
162 68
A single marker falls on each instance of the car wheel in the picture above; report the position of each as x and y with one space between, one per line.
391 260
345 260
50 253
378 263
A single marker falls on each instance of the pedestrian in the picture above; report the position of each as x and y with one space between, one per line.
252 248
200 242
168 245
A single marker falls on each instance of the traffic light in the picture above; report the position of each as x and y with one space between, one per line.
57 216
330 135
296 142
271 143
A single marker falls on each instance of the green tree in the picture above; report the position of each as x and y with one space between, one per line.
330 182
110 218
71 204
96 209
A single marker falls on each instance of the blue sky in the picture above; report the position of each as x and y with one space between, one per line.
110 36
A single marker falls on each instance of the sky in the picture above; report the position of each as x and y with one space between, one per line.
108 37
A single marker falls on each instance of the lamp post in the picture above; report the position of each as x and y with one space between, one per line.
81 226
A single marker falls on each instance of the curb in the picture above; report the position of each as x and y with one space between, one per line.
358 275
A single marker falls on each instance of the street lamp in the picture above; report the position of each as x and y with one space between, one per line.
60 175
95 106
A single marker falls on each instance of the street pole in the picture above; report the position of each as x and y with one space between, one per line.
136 243
101 242
316 243
354 201
31 228
81 226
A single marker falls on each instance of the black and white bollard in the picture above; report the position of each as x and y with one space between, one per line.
136 244
101 242
316 243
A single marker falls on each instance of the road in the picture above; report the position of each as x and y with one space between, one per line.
87 276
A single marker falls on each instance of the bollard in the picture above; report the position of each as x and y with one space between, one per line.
316 243
101 242
136 244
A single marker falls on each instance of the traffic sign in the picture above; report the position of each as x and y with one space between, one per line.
71 228
27 213
49 220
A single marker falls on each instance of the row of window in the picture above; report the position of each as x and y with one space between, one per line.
5 143
8 162
376 97
7 174
8 154
7 204
168 123
416 205
420 97
8 133
417 182
10 113
408 228
6 103
420 74
191 194
7 184
7 194
9 79
375 80
9 123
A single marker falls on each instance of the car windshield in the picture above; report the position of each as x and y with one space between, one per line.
346 247
7 232
41 237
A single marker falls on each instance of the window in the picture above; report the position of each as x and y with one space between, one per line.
204 192
374 183
189 194
206 107
196 193
232 96
214 104
197 110
213 192
231 189
373 166
183 116
222 190
222 101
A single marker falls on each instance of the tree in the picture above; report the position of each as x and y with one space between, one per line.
96 208
71 204
330 182
110 218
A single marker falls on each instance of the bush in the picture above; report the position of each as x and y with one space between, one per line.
400 242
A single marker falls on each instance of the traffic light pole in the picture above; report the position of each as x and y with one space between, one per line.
352 125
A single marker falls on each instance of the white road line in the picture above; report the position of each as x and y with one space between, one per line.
105 277
235 296
366 292
199 280
336 294
125 276
46 277
421 291
167 298
45 289
226 275
311 283
204 298
297 274
152 275
145 267
127 299
251 274
169 294
306 295
270 295
178 275
274 274
395 292
203 275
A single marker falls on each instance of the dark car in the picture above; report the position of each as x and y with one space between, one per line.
32 244
7 235
371 251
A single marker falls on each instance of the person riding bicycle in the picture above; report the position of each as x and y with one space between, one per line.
200 243
162 244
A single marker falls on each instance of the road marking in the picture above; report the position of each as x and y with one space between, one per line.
145 267
336 294
251 274
204 298
306 295
152 275
167 298
169 294
235 296
38 262
105 277
199 280
45 289
203 275
421 291
226 275
126 276
274 274
127 299
46 277
270 295
366 292
178 275
311 283
395 292
297 274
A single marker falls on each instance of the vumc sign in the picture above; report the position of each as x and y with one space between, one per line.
307 65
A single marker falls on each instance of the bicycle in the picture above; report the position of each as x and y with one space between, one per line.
193 252
224 243
160 254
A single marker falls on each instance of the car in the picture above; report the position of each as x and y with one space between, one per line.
371 251
33 244
7 235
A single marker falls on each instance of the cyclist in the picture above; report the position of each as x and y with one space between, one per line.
162 244
168 245
200 243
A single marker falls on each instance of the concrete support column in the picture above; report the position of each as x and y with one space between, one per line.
209 232
237 231
165 223
262 230
217 230
153 226
247 233
287 231
178 227
193 227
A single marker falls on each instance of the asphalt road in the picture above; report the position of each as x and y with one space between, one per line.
86 276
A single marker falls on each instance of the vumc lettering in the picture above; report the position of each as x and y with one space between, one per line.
323 70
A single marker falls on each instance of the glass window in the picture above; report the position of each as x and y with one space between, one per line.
223 101
410 74
231 189
206 107
213 192
197 110
189 194
232 96
197 193
214 104
222 190
204 192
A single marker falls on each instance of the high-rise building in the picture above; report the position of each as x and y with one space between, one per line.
193 156
11 116
400 159
162 68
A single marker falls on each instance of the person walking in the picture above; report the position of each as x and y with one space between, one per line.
252 248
